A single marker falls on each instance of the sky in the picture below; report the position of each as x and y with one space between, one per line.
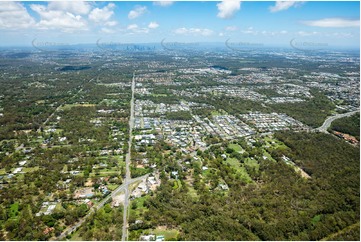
267 23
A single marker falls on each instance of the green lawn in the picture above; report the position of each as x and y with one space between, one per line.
215 113
233 162
139 211
251 163
244 175
177 184
265 153
236 147
277 144
167 233
14 209
241 170
30 169
112 187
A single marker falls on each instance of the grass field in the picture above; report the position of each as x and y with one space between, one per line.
30 169
277 144
236 147
112 187
167 233
265 153
14 209
244 175
140 208
251 163
177 184
233 162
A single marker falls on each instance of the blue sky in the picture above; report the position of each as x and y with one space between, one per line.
269 23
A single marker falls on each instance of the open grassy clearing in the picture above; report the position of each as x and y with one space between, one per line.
236 147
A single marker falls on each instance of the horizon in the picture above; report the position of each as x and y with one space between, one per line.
332 24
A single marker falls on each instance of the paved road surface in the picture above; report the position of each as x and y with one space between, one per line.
329 120
100 205
127 163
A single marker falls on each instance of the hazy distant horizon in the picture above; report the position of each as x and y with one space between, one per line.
327 23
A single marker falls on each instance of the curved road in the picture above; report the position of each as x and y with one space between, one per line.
329 120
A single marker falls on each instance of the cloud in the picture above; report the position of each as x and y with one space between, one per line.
193 31
99 15
134 28
58 19
15 16
283 5
163 3
153 25
107 31
75 7
231 28
333 23
227 8
304 33
111 23
137 12
250 30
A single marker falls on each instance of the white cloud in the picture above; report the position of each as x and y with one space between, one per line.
111 23
99 15
227 8
284 5
75 7
304 33
137 12
107 31
333 23
163 3
231 28
14 15
54 19
193 31
250 30
132 27
153 25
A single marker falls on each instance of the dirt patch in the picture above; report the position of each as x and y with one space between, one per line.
89 183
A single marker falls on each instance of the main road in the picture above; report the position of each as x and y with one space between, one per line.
329 120
124 186
127 163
